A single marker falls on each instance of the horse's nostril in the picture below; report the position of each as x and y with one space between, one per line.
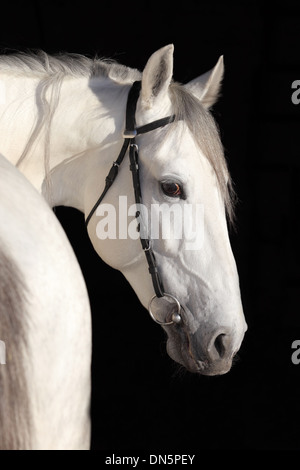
214 350
219 345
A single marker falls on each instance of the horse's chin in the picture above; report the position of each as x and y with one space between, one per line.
179 351
181 356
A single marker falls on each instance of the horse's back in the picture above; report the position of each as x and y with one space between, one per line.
44 324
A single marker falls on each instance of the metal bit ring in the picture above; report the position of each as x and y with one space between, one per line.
176 317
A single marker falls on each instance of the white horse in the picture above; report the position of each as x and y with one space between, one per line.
62 122
44 323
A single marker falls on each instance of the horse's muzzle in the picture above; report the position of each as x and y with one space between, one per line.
207 352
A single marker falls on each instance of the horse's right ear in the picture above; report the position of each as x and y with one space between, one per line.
207 87
157 76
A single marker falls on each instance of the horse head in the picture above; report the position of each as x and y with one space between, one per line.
186 194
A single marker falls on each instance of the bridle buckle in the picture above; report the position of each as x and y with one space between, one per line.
129 134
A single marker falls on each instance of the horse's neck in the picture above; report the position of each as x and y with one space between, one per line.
70 135
45 384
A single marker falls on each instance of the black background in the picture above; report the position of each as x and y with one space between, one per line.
140 399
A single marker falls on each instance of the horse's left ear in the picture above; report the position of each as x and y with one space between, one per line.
157 76
207 87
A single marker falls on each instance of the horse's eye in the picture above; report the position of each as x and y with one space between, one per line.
172 189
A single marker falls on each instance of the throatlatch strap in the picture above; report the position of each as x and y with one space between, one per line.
113 173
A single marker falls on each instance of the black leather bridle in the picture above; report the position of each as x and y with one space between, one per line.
131 131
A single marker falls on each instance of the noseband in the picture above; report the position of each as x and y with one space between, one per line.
131 131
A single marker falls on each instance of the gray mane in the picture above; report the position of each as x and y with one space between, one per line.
14 403
44 65
53 69
206 135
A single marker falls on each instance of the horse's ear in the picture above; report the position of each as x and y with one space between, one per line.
207 87
157 75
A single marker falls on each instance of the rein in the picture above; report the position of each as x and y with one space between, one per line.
131 131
